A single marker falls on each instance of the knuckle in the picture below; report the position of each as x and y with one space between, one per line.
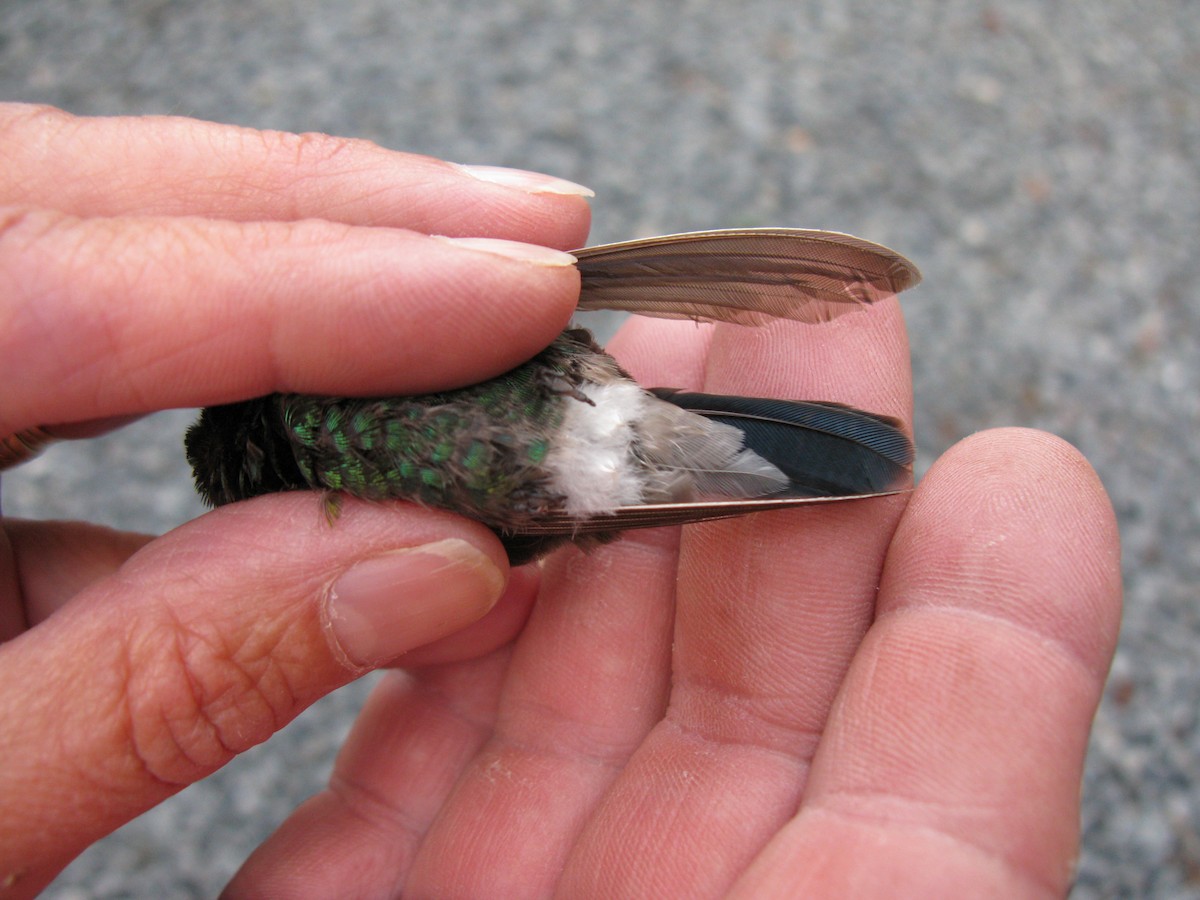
31 124
18 114
44 255
290 161
308 148
21 226
27 134
24 232
194 699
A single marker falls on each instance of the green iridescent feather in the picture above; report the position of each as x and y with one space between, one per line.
476 449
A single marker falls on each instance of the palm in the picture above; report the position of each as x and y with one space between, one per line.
668 721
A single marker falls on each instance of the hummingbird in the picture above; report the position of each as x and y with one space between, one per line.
567 447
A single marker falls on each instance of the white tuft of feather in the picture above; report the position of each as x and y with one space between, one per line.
592 461
627 447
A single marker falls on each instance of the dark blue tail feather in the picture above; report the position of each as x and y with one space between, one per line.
825 449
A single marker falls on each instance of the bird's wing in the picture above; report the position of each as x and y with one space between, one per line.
746 275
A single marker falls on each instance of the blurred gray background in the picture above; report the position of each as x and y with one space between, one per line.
1038 159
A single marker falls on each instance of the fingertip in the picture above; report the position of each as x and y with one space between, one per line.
1016 453
1014 522
388 604
996 621
529 182
535 254
113 317
497 627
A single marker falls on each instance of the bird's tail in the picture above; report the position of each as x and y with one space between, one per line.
824 449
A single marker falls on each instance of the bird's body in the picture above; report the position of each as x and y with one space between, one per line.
564 447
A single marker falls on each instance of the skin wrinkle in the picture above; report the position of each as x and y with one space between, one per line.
265 320
127 700
423 202
192 745
376 809
586 745
223 682
256 318
888 808
359 297
274 676
109 334
34 124
322 147
434 701
91 185
1017 873
310 158
11 564
307 158
428 683
822 630
1068 650
790 740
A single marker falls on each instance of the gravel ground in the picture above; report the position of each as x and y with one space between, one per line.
1038 159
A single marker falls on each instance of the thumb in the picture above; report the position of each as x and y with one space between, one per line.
203 644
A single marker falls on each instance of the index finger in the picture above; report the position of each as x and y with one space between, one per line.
111 317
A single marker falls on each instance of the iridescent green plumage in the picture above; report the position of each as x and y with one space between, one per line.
478 449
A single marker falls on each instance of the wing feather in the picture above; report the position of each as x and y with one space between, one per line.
746 276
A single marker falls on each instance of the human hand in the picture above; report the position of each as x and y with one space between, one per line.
881 698
161 262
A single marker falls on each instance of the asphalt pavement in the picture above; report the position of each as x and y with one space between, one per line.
1040 160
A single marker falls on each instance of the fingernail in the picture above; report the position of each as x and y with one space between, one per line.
389 604
532 253
530 182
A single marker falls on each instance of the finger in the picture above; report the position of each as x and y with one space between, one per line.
588 680
426 799
495 630
170 166
108 317
203 644
408 747
53 561
953 760
769 611
663 352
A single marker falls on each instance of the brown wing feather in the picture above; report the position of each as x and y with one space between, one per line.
744 275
